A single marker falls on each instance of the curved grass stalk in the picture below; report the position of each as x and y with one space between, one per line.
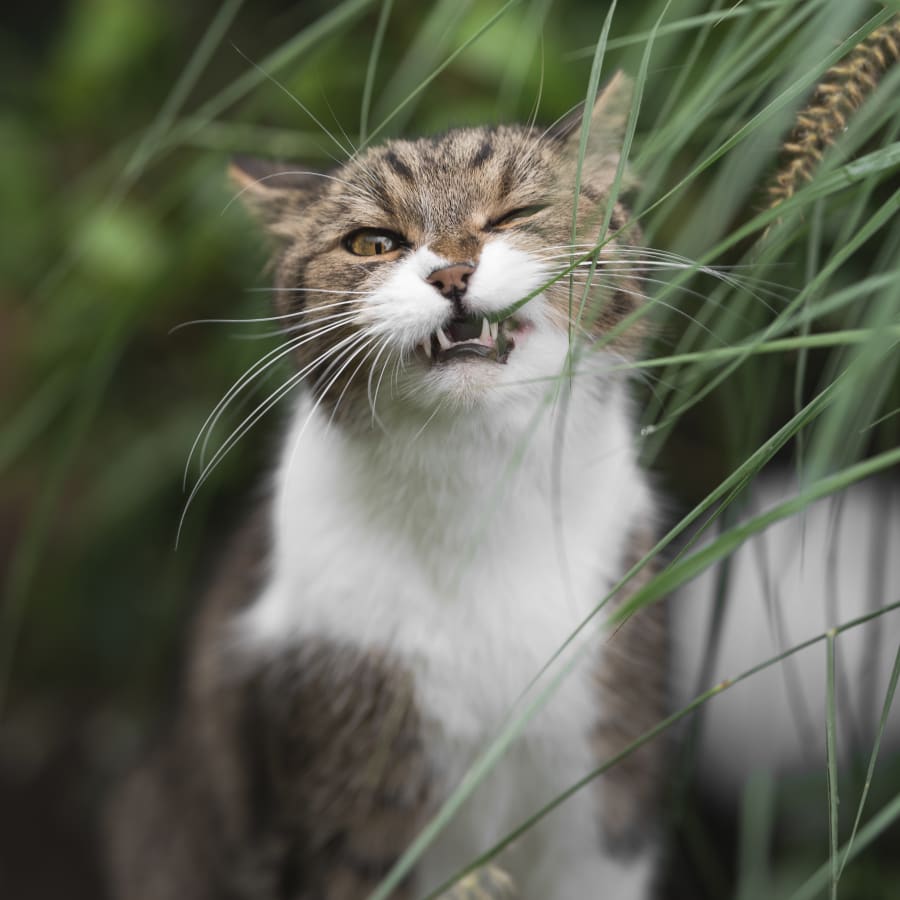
664 725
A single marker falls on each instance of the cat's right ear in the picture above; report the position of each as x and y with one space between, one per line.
273 192
608 120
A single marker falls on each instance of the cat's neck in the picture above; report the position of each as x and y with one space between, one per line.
442 480
495 510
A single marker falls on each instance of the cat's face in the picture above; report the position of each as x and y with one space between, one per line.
403 272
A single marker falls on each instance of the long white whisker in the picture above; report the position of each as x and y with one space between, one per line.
303 290
428 421
372 397
656 301
305 327
364 349
253 319
287 173
260 410
359 338
254 371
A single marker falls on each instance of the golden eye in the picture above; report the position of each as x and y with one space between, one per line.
517 216
372 242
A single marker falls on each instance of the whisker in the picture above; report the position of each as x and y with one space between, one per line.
252 319
365 348
311 290
375 417
656 301
358 337
296 101
266 361
428 421
310 327
287 174
387 362
248 422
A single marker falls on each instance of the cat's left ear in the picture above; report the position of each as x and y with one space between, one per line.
272 191
609 118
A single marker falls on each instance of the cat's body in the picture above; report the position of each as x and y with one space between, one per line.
454 498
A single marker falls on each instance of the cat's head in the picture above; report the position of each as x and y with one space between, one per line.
402 274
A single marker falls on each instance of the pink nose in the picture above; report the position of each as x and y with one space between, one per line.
452 281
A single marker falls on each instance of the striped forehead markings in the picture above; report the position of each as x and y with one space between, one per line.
397 166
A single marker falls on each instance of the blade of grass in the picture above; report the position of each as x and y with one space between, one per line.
688 23
437 71
26 425
875 223
624 154
687 568
434 34
880 822
654 732
756 826
98 373
586 118
152 137
531 31
513 726
790 93
369 85
289 52
831 761
888 700
182 88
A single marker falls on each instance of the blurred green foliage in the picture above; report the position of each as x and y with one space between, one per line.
117 121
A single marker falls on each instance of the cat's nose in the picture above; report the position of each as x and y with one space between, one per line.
452 281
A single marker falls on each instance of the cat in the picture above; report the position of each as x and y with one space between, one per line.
457 491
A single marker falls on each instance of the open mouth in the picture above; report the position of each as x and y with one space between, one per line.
474 337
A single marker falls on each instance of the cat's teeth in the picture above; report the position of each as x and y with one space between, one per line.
443 340
494 329
485 331
425 344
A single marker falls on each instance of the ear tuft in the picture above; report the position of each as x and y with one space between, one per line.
271 189
608 117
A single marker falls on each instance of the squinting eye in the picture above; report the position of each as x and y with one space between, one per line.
517 216
372 242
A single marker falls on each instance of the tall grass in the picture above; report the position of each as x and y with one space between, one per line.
786 351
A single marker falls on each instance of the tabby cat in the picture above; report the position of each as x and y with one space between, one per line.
457 491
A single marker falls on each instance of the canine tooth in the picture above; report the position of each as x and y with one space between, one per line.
485 331
425 344
494 329
443 340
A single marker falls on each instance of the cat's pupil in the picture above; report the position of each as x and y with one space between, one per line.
369 242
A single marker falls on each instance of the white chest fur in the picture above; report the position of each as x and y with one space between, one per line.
472 552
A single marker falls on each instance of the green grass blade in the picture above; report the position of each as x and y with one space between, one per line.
440 68
589 101
831 759
688 23
23 568
687 568
180 91
757 820
369 85
289 52
879 823
882 724
658 729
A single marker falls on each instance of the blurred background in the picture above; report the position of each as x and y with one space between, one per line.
117 122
